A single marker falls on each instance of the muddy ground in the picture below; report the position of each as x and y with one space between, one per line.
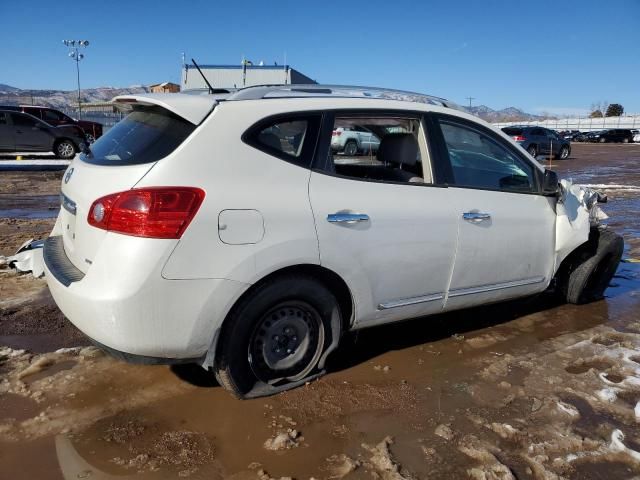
527 389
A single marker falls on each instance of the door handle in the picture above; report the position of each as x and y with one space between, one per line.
347 218
476 217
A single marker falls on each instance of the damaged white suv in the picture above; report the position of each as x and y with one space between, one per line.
222 229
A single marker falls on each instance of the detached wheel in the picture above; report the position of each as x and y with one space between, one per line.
563 154
65 149
351 148
588 271
533 151
276 336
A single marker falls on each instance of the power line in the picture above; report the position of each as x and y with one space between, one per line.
470 98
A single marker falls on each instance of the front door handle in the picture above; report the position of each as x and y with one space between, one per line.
347 217
476 217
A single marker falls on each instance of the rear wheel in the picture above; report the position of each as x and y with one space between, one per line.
276 336
65 149
625 140
585 275
351 148
602 140
533 151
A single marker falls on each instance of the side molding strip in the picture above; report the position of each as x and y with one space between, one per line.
496 286
410 301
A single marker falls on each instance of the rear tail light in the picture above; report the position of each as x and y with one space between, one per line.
337 133
158 212
519 138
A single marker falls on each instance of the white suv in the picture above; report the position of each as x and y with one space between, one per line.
354 139
220 229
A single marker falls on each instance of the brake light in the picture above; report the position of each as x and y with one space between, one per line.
157 212
519 138
337 133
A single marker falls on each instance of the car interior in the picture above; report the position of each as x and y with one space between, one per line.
398 157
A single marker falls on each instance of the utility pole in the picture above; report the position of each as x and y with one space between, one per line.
74 46
470 98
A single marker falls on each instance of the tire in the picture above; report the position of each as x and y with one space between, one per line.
275 336
65 149
602 140
586 273
563 154
533 151
625 140
351 148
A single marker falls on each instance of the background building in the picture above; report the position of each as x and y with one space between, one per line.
164 87
238 76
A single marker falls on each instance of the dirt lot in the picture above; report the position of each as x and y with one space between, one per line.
528 389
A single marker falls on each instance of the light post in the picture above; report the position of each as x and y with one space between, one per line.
74 54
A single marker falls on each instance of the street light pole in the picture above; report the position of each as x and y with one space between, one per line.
74 54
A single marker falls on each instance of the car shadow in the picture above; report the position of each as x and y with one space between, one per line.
362 345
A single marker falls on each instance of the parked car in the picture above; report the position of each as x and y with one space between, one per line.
540 141
21 132
636 135
611 135
355 139
92 130
580 137
223 230
569 134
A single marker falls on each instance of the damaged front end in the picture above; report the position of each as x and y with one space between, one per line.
577 213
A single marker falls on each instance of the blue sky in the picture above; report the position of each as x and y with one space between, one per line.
554 56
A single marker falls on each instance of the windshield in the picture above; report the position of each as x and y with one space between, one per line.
146 135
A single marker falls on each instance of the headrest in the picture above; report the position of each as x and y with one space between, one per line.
398 148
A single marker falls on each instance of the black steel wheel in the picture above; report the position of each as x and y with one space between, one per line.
276 335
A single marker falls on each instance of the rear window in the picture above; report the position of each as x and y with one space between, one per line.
146 135
512 131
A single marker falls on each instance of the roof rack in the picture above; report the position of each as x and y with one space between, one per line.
342 91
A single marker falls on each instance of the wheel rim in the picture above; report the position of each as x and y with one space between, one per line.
565 153
287 342
65 150
532 151
351 148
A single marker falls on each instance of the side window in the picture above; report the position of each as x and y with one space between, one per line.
3 118
479 161
23 120
394 152
50 116
290 138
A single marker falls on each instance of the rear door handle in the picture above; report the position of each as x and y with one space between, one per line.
475 217
347 217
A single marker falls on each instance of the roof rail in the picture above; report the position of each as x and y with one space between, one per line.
342 91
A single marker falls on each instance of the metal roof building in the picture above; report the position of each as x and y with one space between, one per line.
238 76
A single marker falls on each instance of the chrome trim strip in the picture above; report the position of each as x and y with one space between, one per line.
68 204
495 286
410 301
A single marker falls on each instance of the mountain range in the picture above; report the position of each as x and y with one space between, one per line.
62 99
68 99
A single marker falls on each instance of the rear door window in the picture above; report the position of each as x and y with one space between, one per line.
145 135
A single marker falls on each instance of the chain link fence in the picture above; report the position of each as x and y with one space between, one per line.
582 124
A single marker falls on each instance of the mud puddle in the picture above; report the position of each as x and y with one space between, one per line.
527 389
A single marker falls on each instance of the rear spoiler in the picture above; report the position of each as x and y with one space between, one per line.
190 107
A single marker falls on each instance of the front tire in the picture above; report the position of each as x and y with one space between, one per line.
563 154
65 149
586 274
274 338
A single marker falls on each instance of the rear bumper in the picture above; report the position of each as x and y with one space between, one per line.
124 304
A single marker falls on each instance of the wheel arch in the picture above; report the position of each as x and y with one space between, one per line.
334 282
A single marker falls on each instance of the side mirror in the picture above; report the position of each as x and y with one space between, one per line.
550 183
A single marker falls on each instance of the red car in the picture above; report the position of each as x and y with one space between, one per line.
92 130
